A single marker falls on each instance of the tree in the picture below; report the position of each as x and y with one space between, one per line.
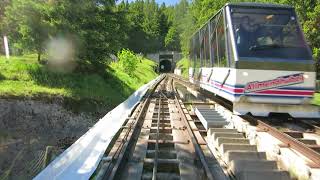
29 20
3 5
151 25
148 26
172 40
311 29
137 40
164 26
93 25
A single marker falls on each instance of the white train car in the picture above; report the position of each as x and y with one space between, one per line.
255 56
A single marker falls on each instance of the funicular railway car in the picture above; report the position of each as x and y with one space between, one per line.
255 56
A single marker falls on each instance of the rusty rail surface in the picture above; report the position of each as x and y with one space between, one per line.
122 150
290 141
194 141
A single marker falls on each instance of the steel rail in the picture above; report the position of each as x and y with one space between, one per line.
118 150
127 144
316 127
193 139
290 141
155 164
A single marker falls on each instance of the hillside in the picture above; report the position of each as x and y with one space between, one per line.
24 78
184 65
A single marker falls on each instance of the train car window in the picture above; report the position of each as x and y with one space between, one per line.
215 49
196 49
268 33
207 46
221 43
192 52
202 47
230 53
212 39
197 54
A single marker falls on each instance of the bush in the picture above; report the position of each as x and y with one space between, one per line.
128 61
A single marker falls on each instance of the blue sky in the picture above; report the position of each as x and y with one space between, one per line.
168 2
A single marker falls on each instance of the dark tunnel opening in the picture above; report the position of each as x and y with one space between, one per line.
165 66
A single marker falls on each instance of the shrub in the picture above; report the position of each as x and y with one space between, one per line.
128 61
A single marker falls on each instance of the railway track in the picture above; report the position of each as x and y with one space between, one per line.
290 139
159 141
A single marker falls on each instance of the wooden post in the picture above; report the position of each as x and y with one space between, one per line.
6 46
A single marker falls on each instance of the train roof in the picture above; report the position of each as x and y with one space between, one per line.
262 5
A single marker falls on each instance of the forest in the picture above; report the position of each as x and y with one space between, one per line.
101 28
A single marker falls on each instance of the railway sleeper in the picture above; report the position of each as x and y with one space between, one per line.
161 121
257 169
307 141
163 108
167 146
161 125
162 115
223 140
154 130
160 141
166 169
314 147
311 143
243 159
238 155
294 134
225 147
164 118
263 175
162 154
162 136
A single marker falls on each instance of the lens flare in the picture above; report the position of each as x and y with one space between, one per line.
61 53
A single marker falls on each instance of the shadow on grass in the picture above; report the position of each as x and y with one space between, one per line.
2 77
89 92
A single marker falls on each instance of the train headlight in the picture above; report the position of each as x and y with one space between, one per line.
306 76
245 74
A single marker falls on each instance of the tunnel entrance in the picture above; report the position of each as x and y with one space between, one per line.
165 66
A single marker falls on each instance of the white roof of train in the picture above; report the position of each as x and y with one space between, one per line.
264 5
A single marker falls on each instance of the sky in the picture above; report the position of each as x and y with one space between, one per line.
168 2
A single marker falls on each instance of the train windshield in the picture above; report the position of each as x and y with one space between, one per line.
269 34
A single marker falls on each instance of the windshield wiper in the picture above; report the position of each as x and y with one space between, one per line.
269 46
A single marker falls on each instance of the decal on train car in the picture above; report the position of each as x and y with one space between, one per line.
278 82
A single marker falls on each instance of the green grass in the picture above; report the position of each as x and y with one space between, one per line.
143 73
184 65
316 99
23 77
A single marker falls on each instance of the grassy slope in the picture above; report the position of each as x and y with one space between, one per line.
23 77
184 65
316 99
